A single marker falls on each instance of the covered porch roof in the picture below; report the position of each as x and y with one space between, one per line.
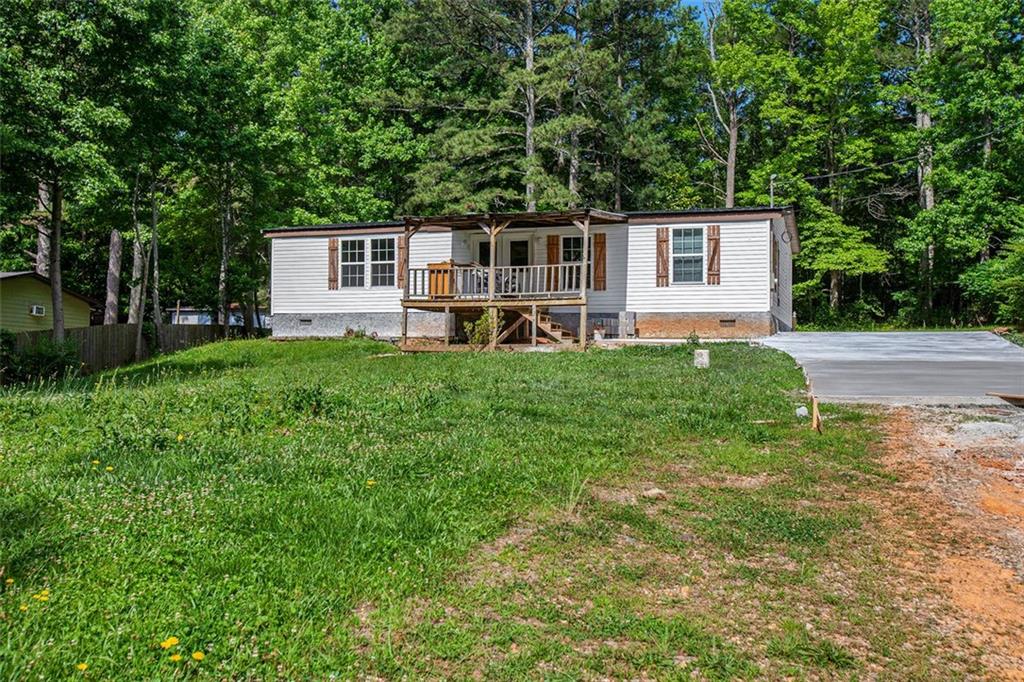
525 219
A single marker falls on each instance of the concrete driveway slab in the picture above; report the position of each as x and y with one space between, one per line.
906 367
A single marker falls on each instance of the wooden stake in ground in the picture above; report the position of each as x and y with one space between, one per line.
815 415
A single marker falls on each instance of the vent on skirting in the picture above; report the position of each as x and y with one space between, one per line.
727 323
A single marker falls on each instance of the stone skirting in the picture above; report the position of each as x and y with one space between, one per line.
431 324
381 325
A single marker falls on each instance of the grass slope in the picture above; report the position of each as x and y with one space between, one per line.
244 497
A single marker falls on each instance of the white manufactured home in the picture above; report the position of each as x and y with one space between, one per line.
722 273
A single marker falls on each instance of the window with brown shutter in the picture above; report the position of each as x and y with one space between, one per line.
554 246
403 261
714 255
600 262
332 263
661 278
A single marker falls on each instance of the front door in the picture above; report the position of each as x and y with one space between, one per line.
519 252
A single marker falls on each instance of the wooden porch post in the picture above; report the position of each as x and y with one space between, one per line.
447 324
533 326
584 278
490 265
494 327
406 235
405 324
491 280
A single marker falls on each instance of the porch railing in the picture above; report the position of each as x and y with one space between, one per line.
511 282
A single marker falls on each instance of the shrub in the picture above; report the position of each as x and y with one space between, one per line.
45 361
478 331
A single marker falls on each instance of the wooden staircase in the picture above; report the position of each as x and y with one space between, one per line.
553 332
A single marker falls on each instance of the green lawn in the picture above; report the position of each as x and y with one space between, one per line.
285 508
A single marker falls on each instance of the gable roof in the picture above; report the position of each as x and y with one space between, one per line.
93 303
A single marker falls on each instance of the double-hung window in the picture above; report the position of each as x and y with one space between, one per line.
572 252
688 255
353 263
382 262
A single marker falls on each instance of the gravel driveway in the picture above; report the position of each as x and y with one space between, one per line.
906 367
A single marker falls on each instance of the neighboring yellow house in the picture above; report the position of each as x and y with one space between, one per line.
25 304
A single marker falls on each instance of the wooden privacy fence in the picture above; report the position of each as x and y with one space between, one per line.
113 345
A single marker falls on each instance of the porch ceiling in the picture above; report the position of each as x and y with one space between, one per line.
474 221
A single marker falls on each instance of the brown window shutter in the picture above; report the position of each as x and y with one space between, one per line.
714 255
403 262
600 262
662 274
332 263
554 246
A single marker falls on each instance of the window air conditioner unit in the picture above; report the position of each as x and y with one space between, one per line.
37 311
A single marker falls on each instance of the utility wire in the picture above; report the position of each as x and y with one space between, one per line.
895 161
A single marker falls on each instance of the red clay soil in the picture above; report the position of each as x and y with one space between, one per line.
963 508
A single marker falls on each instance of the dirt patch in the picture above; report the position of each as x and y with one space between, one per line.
962 507
992 596
1003 499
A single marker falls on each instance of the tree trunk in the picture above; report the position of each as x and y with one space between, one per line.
42 265
256 309
730 166
139 346
620 86
155 248
246 316
926 191
135 299
56 287
223 313
531 105
113 279
834 289
574 168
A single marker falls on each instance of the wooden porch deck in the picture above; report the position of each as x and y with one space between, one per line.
524 290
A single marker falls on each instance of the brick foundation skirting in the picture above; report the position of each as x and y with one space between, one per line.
704 325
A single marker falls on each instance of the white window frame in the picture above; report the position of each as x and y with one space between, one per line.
393 262
590 255
682 255
342 263
367 263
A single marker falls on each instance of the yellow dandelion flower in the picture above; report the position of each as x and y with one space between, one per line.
82 666
44 597
95 462
110 468
371 483
181 437
169 642
9 581
45 593
23 607
198 655
175 657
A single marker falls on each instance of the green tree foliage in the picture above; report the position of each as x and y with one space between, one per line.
893 126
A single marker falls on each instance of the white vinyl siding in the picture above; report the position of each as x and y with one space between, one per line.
745 268
782 298
611 300
298 272
299 269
